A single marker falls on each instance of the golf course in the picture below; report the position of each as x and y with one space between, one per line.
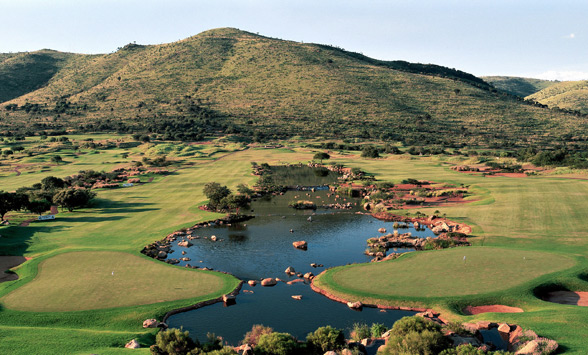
86 287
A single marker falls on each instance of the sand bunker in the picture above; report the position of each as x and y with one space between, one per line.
7 262
495 308
568 297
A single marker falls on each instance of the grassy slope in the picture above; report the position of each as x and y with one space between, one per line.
22 73
524 215
259 81
518 86
571 95
532 216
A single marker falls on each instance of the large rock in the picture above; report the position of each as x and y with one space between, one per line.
382 230
355 305
151 323
331 352
185 243
290 270
252 283
309 275
529 349
133 344
301 244
504 328
162 254
346 352
268 282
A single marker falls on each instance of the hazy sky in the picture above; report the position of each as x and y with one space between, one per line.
539 38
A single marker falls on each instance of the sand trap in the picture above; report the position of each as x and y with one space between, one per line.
495 308
568 297
7 262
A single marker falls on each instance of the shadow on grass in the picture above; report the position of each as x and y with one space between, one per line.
583 276
108 206
16 240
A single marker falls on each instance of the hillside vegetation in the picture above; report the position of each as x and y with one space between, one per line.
570 95
518 86
231 81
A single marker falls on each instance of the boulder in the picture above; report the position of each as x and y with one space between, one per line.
229 299
297 297
161 255
382 230
151 323
346 352
309 275
133 344
252 283
184 243
213 238
529 348
355 305
504 328
291 282
301 244
247 350
290 270
330 352
268 282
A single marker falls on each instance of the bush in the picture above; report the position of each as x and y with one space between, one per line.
378 329
361 330
252 336
276 344
370 152
415 335
325 338
173 342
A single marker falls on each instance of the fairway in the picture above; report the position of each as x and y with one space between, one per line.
95 280
445 273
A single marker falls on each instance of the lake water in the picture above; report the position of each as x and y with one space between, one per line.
262 247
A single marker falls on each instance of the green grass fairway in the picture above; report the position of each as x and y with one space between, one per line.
444 273
84 280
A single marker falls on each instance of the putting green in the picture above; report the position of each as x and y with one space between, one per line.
444 273
95 280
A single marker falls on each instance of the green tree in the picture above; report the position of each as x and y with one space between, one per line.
174 342
276 344
325 339
215 192
11 201
257 330
38 206
321 156
73 198
415 335
56 159
370 152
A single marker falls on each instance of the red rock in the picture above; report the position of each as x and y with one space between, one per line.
301 244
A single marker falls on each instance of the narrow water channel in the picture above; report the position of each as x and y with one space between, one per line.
262 247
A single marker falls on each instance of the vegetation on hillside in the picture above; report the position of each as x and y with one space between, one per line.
518 86
568 95
227 81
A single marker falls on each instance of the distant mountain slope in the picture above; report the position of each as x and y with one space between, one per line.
570 95
231 81
518 86
21 73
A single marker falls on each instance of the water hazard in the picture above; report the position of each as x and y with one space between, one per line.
262 247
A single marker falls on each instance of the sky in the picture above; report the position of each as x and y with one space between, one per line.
546 39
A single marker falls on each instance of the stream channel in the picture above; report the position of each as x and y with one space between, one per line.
262 247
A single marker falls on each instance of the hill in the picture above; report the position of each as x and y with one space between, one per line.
21 73
568 95
231 81
518 86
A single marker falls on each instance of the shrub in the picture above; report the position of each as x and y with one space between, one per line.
361 330
173 342
252 336
415 335
325 338
276 344
378 329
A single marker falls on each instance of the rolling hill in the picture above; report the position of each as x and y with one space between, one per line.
569 95
518 86
231 81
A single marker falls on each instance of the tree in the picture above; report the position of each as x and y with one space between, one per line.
38 206
56 159
51 183
73 198
276 344
11 201
321 156
325 339
257 330
415 335
370 152
215 192
173 342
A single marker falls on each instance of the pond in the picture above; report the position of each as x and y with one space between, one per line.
262 247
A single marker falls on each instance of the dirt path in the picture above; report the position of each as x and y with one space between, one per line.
27 222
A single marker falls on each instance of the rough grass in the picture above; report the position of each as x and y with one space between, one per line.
93 280
446 273
569 95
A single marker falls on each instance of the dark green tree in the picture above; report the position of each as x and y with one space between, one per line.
325 339
11 201
276 344
321 156
215 192
38 206
73 198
